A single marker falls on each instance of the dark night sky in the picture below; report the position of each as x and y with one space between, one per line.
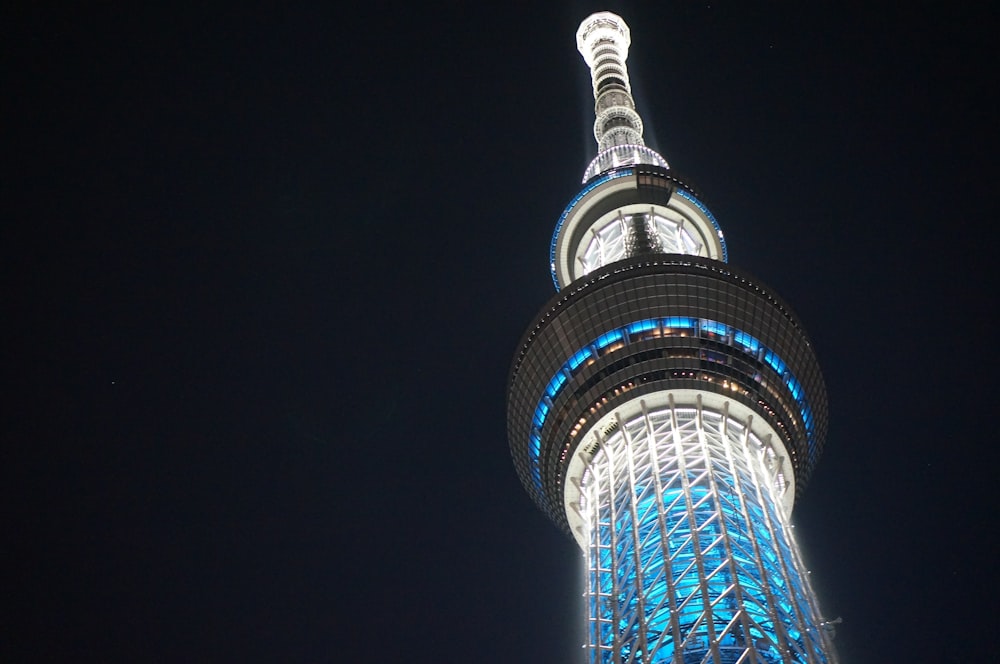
265 270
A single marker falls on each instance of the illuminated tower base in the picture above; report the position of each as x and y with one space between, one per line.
687 543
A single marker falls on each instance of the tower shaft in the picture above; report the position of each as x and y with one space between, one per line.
690 556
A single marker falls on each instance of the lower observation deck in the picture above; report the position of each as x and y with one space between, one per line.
651 325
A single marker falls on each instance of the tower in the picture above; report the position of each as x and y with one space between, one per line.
665 409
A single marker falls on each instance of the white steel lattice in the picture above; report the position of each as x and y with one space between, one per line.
609 243
691 559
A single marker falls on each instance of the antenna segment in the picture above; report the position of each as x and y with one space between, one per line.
603 40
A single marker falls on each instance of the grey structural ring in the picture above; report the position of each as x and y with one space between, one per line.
652 324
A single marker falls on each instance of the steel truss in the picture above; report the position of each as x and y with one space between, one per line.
691 558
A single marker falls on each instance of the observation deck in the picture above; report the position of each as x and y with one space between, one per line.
659 324
631 210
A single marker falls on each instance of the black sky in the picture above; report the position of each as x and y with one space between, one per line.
265 269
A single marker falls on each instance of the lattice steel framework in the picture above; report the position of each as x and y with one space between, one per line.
690 554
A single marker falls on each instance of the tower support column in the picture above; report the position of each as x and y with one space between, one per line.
689 554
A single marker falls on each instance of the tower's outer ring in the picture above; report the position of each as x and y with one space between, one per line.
641 186
658 287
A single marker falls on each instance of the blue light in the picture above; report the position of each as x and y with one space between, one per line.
607 339
556 384
715 327
680 321
775 362
641 326
579 358
794 388
536 443
540 412
749 343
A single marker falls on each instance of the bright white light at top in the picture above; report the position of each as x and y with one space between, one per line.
623 155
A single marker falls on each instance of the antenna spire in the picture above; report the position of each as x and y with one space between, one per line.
603 40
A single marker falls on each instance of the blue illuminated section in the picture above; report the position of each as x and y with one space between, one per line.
609 338
607 177
681 322
556 384
775 362
579 358
642 326
762 573
605 344
748 343
711 217
714 327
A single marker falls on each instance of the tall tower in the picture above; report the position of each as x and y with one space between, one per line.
665 409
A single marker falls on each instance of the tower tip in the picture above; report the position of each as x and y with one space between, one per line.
604 26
